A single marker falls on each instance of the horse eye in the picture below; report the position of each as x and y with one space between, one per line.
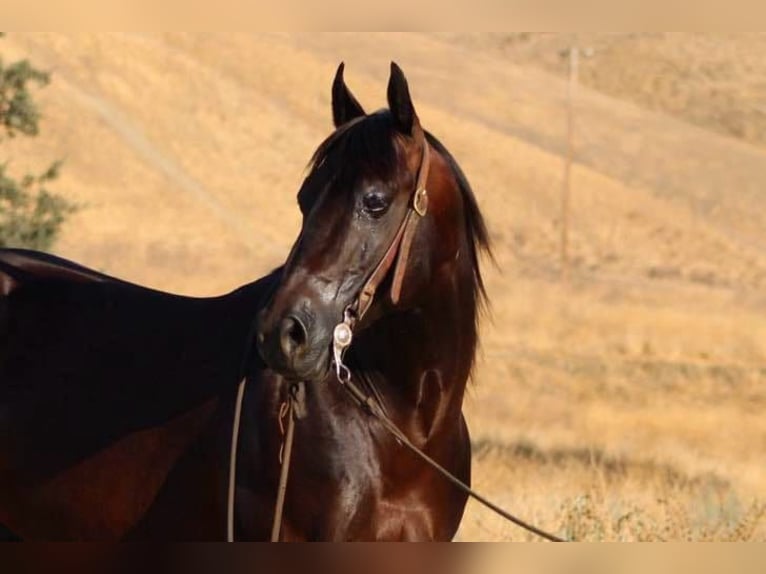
375 204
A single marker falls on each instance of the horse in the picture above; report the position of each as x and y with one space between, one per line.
114 400
390 244
117 402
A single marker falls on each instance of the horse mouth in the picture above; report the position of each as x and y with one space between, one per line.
312 374
313 366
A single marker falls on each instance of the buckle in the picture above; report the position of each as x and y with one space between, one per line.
420 201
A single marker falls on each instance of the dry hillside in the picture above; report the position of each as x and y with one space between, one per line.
627 404
713 80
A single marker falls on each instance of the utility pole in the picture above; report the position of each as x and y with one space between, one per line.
574 63
573 55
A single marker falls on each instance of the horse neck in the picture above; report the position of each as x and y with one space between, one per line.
425 353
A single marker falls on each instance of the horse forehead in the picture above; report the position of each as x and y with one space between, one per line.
367 178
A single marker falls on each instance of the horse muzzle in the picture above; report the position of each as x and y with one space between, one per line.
294 344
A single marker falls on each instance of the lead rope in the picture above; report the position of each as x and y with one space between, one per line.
342 337
285 454
233 460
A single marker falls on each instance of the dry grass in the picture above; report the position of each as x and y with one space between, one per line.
627 404
586 496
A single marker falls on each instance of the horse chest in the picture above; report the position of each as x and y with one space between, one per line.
357 493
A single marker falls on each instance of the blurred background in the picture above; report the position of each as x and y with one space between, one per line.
621 384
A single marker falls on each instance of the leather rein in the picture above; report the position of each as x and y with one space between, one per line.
342 338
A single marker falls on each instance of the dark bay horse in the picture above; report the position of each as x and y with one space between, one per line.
413 347
116 402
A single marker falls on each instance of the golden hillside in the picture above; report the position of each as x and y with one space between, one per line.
626 404
712 80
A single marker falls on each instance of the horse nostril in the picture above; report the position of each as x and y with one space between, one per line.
293 335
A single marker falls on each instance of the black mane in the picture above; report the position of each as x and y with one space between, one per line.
476 228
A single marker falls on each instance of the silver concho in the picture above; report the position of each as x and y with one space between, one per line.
342 335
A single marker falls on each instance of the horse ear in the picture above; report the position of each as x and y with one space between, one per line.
400 102
345 106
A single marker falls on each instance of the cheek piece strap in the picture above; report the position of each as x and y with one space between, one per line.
400 246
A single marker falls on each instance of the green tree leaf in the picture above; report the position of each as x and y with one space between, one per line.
30 215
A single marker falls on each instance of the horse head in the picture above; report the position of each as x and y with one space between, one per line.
366 181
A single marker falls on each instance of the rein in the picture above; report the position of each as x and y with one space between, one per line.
373 408
342 339
285 455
